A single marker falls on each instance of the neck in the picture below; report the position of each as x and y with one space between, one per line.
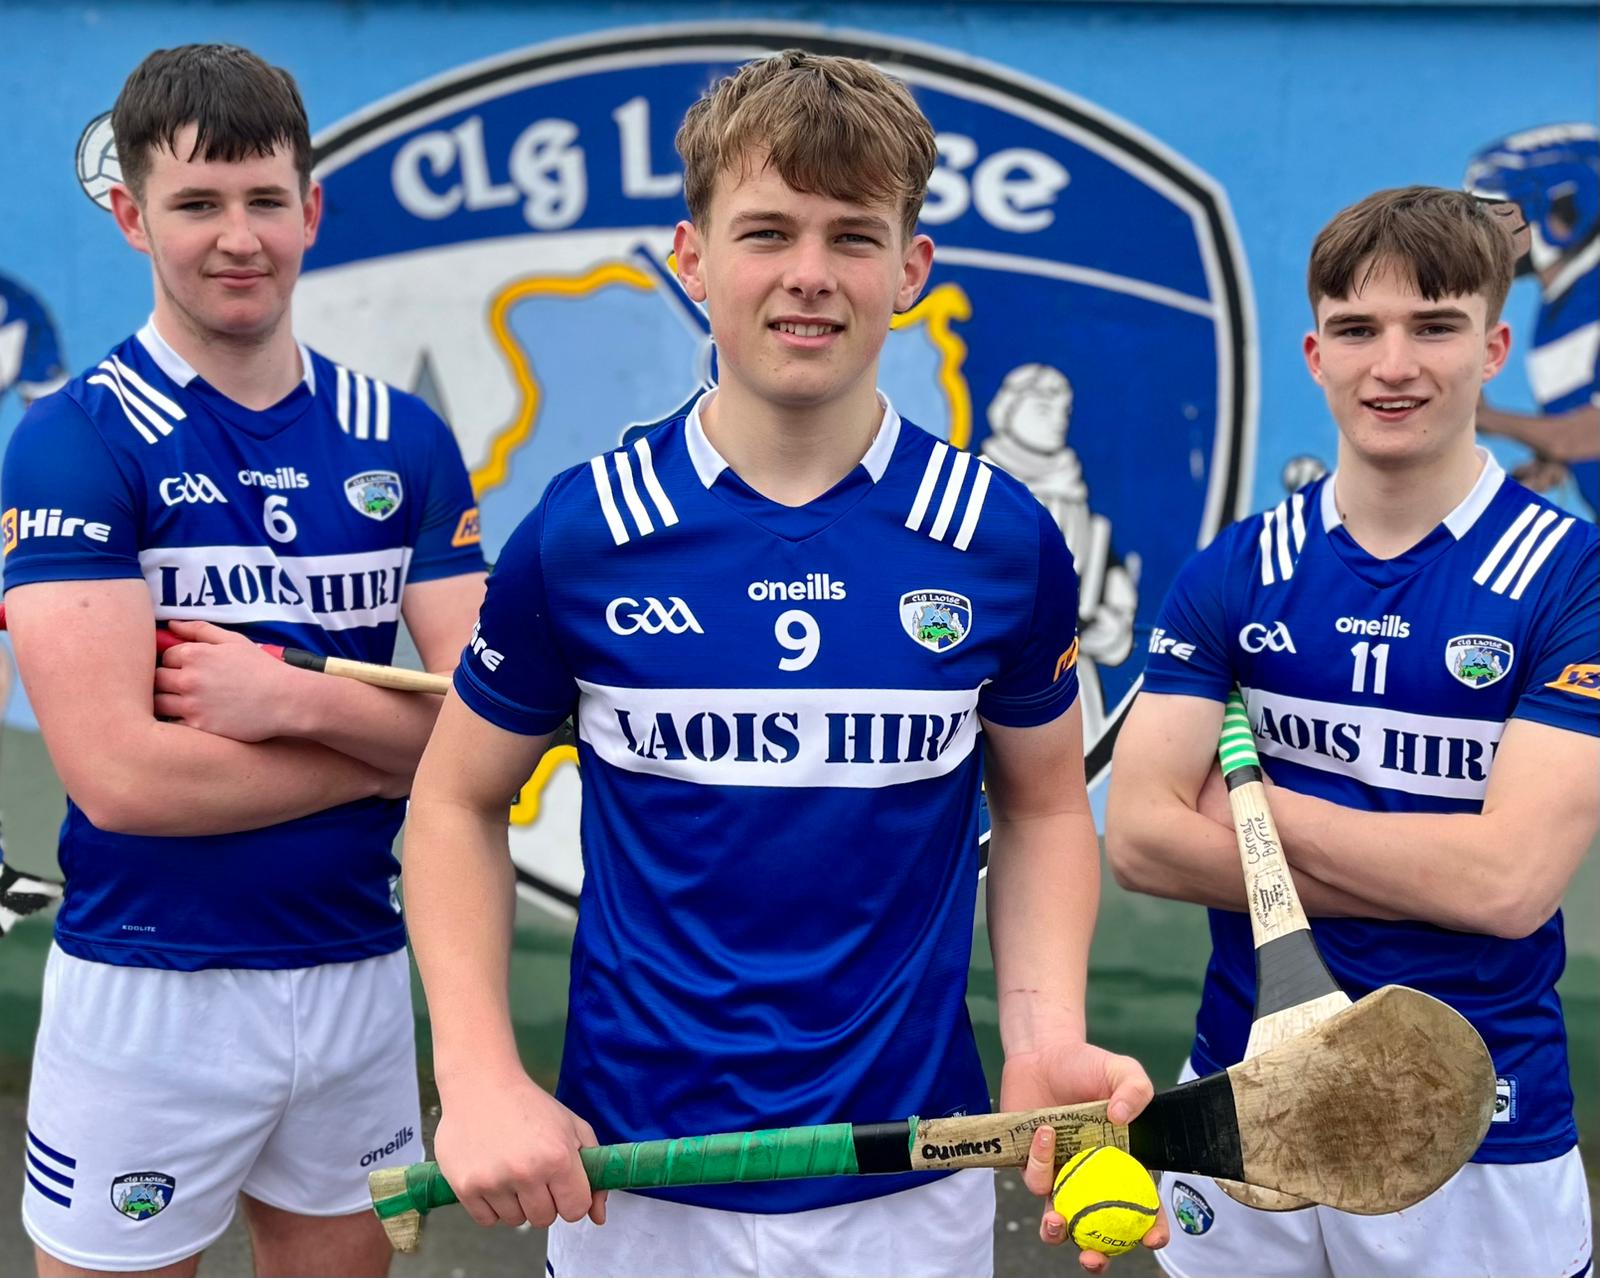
1389 509
255 371
787 454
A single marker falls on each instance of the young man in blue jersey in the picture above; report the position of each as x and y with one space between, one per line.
1415 638
226 1009
780 618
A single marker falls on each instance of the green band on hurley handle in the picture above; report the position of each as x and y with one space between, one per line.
1236 747
781 1153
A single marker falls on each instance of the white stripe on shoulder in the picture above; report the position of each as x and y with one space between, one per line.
141 415
1506 538
363 428
380 416
131 378
1265 548
1278 527
930 476
652 485
630 494
608 503
342 397
1536 562
949 495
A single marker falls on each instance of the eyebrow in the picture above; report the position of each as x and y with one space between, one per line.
850 222
1366 317
194 192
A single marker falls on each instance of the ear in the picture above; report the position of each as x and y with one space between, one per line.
1496 347
1312 349
311 210
689 251
130 218
914 272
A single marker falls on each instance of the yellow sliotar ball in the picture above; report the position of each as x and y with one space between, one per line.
1108 1201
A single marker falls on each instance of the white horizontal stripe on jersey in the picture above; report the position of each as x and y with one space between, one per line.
236 584
799 738
949 497
1558 368
1436 755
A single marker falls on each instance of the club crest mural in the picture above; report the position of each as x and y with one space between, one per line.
497 239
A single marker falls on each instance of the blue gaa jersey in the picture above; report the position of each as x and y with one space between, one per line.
1564 361
1385 685
298 525
778 717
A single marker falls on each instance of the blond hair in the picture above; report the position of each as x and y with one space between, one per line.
829 126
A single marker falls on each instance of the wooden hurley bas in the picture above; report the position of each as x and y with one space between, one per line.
1370 1111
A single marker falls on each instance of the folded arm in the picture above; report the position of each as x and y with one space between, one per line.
1159 840
222 685
85 651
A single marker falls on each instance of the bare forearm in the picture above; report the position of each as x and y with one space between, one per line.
1570 436
1043 894
1174 852
164 779
457 866
385 729
1451 869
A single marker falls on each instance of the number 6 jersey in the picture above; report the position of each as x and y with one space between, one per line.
1385 685
300 524
778 729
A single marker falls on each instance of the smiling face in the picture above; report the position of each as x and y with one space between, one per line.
225 239
1402 372
800 287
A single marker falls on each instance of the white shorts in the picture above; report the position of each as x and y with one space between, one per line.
942 1230
1489 1220
158 1096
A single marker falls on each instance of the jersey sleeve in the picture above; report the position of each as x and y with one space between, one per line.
1041 683
1188 649
511 672
70 513
1563 688
448 541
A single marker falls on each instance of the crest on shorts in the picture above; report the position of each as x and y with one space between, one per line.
936 619
1478 660
375 493
1190 1207
141 1195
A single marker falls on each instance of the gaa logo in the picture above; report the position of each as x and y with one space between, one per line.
627 616
178 489
496 239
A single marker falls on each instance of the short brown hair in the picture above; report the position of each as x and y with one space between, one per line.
240 106
830 126
1449 243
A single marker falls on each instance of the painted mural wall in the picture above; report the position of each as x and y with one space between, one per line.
1125 198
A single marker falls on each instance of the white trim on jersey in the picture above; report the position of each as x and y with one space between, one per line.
182 372
133 393
709 463
1284 522
1459 521
368 416
950 495
1435 755
237 584
1534 539
643 523
784 737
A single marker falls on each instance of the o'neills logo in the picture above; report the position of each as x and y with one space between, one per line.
401 1138
961 1149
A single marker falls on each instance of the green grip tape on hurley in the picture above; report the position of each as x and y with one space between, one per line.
780 1153
1236 745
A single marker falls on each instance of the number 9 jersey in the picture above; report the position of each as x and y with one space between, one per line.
1385 685
778 729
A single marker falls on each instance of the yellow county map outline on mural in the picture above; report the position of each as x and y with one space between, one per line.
943 308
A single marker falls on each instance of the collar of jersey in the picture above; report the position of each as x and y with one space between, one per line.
790 522
263 422
1451 529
